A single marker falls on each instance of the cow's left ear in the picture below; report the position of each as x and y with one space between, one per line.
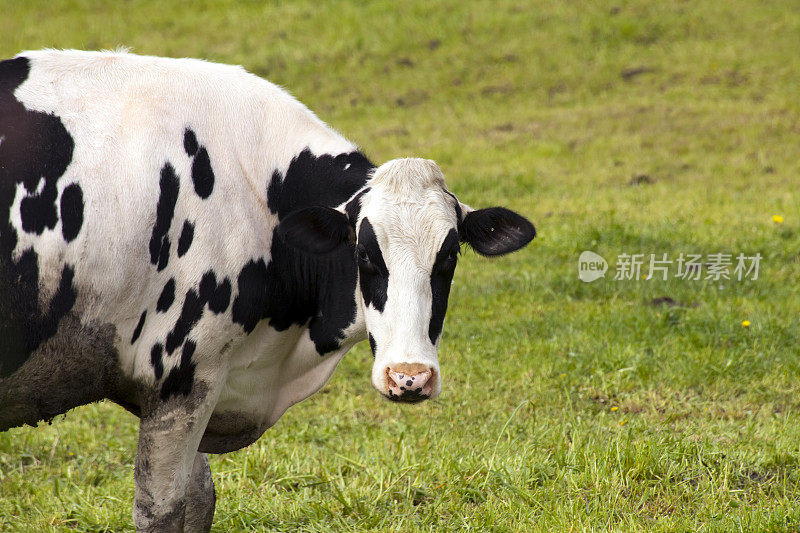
494 230
316 230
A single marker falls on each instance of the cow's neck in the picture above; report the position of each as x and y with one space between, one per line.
320 292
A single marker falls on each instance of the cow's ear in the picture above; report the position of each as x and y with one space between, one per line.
494 230
316 230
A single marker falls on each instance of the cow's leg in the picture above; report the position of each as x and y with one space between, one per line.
169 434
200 497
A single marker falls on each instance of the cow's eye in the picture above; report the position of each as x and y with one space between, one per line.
447 263
451 258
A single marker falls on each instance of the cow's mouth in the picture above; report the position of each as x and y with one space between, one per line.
408 397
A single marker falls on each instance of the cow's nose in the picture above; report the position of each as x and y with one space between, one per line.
410 382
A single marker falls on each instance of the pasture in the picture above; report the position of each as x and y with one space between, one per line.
628 127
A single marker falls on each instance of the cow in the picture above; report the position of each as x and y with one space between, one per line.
189 241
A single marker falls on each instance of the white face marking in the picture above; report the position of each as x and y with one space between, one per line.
347 166
411 215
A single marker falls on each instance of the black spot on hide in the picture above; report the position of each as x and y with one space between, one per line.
181 377
217 297
156 360
138 329
167 296
190 142
202 173
324 180
165 210
35 151
250 304
185 240
191 312
71 211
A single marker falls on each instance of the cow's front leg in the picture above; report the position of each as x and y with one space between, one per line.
200 497
169 433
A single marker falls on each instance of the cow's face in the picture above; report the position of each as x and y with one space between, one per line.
405 230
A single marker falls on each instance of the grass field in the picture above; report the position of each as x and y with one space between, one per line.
625 127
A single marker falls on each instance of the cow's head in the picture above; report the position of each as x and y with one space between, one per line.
405 229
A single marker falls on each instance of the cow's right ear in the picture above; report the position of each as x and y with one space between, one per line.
316 230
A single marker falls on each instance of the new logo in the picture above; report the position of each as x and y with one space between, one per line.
591 266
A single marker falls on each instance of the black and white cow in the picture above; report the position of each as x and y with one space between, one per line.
189 241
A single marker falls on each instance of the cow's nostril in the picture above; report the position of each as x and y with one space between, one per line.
409 382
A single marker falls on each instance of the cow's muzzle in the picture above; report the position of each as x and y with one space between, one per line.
410 382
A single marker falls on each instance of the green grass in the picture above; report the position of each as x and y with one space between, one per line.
566 406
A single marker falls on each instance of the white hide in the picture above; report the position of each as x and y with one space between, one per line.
127 115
